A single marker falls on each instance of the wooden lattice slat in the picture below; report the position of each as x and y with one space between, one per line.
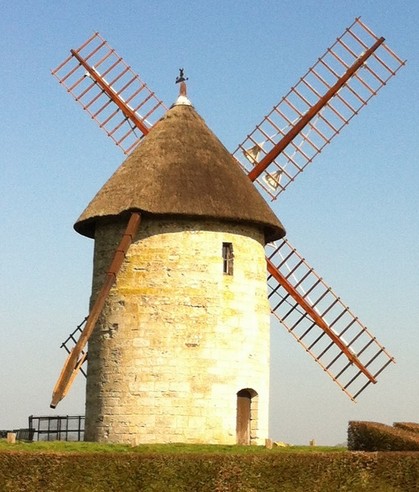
71 341
342 106
338 317
114 96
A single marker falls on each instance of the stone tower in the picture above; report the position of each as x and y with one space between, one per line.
181 350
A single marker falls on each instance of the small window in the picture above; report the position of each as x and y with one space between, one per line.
228 258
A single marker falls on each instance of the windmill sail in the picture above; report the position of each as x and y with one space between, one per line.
77 356
321 323
71 341
114 96
316 109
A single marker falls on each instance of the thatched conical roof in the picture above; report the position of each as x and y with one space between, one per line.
181 169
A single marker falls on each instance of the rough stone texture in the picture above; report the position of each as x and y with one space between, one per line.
178 338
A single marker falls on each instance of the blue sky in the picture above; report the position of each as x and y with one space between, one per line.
354 214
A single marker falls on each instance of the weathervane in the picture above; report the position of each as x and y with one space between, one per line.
180 79
181 76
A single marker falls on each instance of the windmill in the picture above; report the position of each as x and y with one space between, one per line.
313 112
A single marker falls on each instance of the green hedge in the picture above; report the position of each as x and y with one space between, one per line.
270 472
373 436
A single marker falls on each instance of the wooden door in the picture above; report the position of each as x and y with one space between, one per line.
243 417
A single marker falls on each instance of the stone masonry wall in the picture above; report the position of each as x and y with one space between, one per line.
178 338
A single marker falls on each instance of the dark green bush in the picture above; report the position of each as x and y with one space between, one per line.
373 436
267 472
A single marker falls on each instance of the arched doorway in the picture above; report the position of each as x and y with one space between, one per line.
244 415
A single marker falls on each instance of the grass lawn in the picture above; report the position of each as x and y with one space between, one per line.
92 447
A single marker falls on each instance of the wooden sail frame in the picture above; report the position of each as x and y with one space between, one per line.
77 355
316 109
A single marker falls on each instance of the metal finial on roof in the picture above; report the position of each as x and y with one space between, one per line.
181 79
